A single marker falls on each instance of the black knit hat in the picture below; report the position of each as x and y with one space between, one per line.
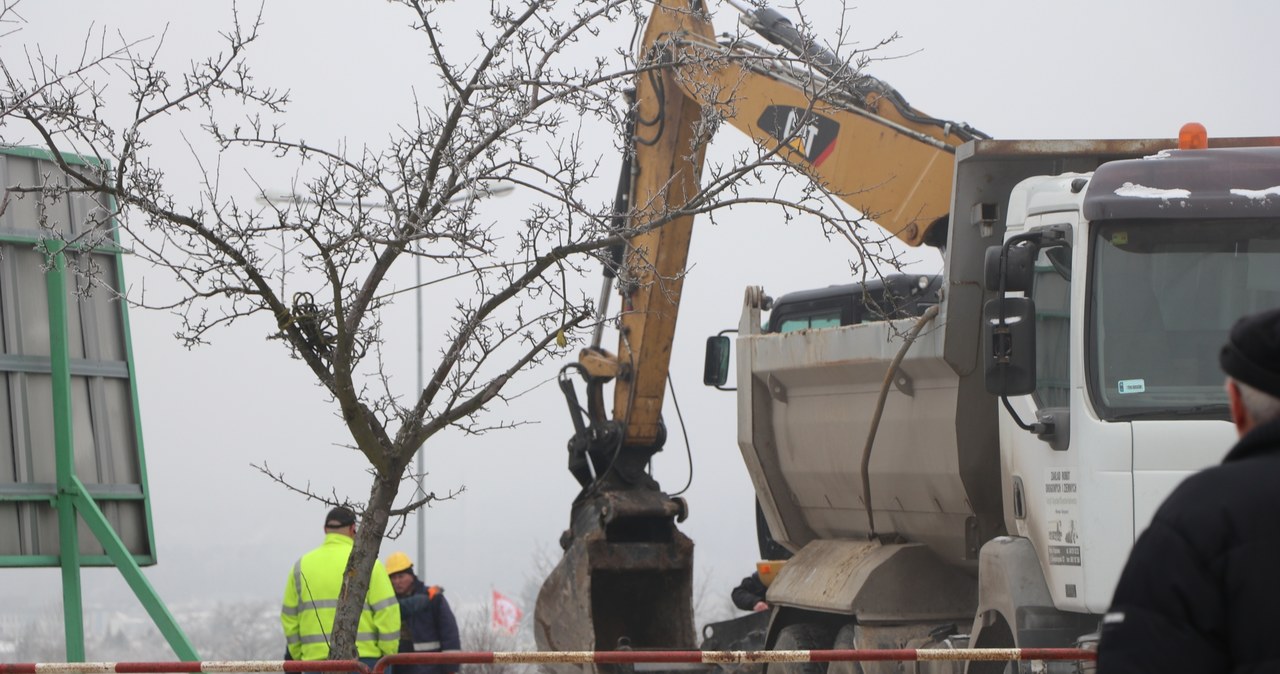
1252 352
339 517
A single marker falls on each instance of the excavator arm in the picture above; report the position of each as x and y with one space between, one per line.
849 132
626 576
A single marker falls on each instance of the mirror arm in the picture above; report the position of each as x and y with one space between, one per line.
1038 427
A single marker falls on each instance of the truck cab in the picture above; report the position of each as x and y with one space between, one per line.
1161 256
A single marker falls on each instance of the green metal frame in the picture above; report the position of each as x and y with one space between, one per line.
72 497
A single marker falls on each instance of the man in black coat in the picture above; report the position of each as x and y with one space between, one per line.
1201 590
749 594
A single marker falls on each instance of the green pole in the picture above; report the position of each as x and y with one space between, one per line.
73 497
132 573
64 455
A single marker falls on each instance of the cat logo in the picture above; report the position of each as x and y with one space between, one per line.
809 134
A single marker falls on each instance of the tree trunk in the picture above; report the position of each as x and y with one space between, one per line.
368 542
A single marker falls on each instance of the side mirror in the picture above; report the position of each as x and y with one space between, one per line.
1060 259
1009 346
1018 270
715 368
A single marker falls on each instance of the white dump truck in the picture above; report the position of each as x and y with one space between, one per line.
982 466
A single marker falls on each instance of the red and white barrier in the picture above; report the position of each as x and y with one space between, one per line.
555 657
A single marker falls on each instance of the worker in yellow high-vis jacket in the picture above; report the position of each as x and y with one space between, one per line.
311 598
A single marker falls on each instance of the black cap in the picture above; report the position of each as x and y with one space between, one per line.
339 517
1252 352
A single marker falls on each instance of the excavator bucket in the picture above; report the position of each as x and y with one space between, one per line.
625 580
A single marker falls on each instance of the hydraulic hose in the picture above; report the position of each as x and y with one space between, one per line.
889 376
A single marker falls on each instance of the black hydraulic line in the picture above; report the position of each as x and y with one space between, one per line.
660 119
618 221
580 443
890 374
622 195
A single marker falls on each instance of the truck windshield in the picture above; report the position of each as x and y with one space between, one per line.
1164 296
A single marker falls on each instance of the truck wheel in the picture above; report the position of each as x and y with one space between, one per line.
801 637
845 640
997 635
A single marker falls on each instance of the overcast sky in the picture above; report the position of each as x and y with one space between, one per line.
1014 69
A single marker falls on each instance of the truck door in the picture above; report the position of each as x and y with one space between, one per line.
1076 494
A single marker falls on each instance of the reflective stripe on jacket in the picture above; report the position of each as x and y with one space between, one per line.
311 600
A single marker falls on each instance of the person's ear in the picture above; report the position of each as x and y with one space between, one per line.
1239 413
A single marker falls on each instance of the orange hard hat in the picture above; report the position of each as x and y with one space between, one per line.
397 562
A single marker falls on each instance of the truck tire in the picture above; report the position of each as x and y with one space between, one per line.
845 640
801 637
997 635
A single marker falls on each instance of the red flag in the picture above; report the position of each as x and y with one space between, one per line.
506 615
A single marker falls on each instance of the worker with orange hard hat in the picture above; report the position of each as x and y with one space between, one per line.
427 624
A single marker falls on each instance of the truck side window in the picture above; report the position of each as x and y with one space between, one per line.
1051 291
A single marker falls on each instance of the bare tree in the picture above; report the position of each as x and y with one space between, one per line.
518 108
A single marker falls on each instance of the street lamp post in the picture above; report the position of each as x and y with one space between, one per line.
499 190
418 458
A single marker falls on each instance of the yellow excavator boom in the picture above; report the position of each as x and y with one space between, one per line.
848 132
